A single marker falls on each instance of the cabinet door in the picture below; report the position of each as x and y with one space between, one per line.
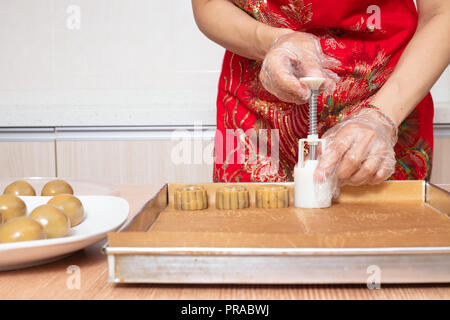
27 159
134 161
441 161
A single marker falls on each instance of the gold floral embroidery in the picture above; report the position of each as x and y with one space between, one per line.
288 118
332 43
298 12
237 100
258 165
413 162
361 81
259 9
295 13
358 25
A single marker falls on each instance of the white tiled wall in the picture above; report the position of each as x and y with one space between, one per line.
132 53
127 53
441 90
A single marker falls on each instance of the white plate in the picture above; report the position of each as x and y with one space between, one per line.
102 214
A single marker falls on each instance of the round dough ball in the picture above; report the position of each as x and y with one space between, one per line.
20 188
56 224
55 187
12 207
21 229
71 206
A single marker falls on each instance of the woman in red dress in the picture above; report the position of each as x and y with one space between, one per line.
380 59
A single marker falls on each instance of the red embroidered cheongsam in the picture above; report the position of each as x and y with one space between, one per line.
368 38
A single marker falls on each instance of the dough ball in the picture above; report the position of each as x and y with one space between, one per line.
56 224
55 187
20 188
21 229
12 207
71 206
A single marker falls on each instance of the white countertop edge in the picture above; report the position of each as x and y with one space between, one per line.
161 115
116 133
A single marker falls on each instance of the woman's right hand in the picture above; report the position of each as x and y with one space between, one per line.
291 57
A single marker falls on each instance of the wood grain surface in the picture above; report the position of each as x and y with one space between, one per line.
27 159
440 172
391 214
50 281
121 162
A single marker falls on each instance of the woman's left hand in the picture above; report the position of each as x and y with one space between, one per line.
359 150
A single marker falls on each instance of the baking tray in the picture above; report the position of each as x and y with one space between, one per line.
394 232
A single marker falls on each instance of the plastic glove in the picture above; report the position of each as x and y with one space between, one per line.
291 57
359 150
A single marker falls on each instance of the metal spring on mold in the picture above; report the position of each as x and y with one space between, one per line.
313 121
313 112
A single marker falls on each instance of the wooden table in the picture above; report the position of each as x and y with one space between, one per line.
50 281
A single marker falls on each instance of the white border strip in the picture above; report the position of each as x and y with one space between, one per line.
441 130
108 133
277 251
206 132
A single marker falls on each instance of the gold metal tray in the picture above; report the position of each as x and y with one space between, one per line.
398 232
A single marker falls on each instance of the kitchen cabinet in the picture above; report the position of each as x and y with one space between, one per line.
27 159
148 162
441 161
132 155
132 162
